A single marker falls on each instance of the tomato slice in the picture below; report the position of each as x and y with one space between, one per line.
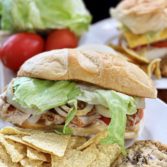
106 120
160 44
136 118
131 119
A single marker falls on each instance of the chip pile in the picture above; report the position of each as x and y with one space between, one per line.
35 148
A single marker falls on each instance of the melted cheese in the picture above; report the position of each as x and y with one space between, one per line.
135 40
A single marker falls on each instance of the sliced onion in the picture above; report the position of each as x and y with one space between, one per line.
61 112
85 110
65 108
34 119
140 103
102 111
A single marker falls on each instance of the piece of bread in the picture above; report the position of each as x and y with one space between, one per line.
102 69
144 154
142 16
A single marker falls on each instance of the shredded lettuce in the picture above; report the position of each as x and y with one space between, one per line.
71 114
43 95
67 131
32 15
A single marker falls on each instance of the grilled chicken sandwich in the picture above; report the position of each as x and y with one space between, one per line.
80 92
143 27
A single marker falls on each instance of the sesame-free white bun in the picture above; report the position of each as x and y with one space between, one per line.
142 16
90 66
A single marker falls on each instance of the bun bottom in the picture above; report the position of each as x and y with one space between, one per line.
129 134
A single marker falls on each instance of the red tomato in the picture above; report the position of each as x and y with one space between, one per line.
20 47
105 120
59 39
136 117
161 44
0 52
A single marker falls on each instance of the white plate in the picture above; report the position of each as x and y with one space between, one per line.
155 124
102 32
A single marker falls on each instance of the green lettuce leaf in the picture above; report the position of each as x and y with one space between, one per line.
30 15
71 114
43 95
119 105
67 131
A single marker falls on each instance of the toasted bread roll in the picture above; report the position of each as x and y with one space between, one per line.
101 69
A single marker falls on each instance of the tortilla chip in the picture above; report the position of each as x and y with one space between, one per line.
26 162
35 155
5 160
15 138
48 142
46 164
19 131
13 131
96 155
107 154
15 150
94 140
75 158
76 142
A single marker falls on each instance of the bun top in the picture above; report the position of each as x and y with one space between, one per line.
142 16
92 66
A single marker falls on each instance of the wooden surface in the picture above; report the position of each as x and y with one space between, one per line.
162 94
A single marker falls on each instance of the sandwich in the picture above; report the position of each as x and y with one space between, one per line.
143 27
80 92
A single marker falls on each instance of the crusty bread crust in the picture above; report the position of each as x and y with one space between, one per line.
102 69
144 153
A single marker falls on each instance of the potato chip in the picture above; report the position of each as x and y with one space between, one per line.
76 142
26 162
48 142
36 155
5 160
75 158
16 151
132 54
129 53
154 68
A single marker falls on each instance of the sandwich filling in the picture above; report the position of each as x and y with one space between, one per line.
72 107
